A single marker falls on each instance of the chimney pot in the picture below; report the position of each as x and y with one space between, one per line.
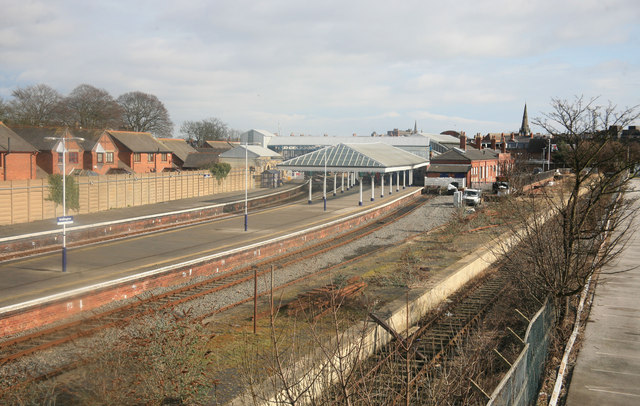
463 142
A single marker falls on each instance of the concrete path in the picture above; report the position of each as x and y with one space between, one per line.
607 371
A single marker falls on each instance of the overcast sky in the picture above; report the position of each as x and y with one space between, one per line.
335 67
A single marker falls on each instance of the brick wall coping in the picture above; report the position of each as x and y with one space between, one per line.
149 216
157 271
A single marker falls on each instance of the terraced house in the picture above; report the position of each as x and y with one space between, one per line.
17 156
140 152
50 151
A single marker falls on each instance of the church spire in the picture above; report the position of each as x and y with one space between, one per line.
415 127
524 128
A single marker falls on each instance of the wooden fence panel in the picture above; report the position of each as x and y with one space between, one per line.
24 201
37 194
6 213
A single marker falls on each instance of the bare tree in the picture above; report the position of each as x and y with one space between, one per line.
143 112
34 105
204 130
564 238
90 107
4 110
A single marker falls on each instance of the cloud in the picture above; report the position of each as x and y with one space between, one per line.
335 67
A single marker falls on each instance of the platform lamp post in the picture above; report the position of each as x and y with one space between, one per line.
324 181
246 184
64 193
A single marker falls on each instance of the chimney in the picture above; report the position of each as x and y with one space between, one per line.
478 142
493 143
463 142
503 147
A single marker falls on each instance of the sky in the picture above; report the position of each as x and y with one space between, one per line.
331 67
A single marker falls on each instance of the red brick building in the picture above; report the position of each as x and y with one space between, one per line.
50 152
480 167
100 152
17 156
141 152
180 150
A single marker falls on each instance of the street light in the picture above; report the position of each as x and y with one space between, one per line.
246 183
324 182
64 193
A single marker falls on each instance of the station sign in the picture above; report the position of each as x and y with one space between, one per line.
65 220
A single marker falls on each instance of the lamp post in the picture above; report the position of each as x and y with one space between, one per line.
64 193
246 184
324 181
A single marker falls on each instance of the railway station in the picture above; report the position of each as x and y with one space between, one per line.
115 270
374 161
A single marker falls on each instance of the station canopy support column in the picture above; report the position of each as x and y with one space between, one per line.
381 185
360 182
404 179
335 181
390 183
373 187
310 186
342 183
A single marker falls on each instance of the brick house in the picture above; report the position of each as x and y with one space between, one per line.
141 152
100 152
17 156
180 150
480 167
50 152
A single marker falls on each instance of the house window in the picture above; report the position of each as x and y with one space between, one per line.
59 158
150 157
109 157
136 157
73 157
164 157
99 157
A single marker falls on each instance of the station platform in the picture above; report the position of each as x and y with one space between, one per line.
31 281
106 216
607 371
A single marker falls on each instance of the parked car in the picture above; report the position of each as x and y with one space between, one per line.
472 197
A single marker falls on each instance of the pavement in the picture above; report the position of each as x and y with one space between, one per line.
607 371
36 277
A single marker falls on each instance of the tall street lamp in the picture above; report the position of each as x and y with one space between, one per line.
324 182
246 184
64 193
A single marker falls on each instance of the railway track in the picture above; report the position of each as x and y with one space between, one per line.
13 349
406 363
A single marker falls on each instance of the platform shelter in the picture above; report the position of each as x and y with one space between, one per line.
355 162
